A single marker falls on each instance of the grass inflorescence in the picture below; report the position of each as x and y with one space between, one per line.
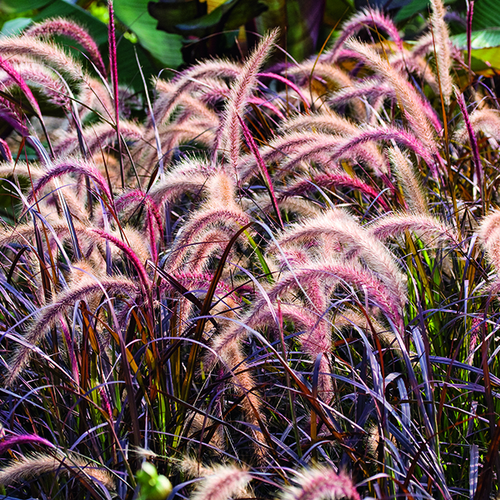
278 283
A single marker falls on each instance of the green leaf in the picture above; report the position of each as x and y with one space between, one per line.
17 6
300 23
479 39
169 14
486 14
485 54
165 47
128 71
15 26
412 8
184 17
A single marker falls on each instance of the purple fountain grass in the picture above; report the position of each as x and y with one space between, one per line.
225 219
13 117
71 166
230 356
192 77
175 134
483 120
331 180
16 77
229 134
48 317
141 198
393 225
321 483
441 39
289 83
367 17
222 483
277 149
409 62
489 236
201 281
351 274
325 121
5 153
131 255
410 102
368 89
95 97
22 169
113 70
36 464
387 133
60 26
45 81
479 177
97 137
153 217
190 104
414 196
327 149
262 166
71 352
26 233
339 230
213 241
44 52
176 184
9 442
322 72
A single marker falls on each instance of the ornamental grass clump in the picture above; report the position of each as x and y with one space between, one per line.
274 283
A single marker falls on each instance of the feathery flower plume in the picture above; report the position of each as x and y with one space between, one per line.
485 120
48 316
174 134
67 167
221 482
331 180
489 236
409 100
230 130
367 17
96 137
321 483
141 270
442 42
36 464
407 178
190 104
44 80
388 133
391 226
45 52
368 89
7 67
289 83
225 219
340 230
60 26
192 77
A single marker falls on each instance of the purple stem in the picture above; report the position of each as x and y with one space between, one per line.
113 67
473 143
470 14
262 165
8 443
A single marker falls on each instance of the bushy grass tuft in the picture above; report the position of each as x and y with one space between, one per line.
279 283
